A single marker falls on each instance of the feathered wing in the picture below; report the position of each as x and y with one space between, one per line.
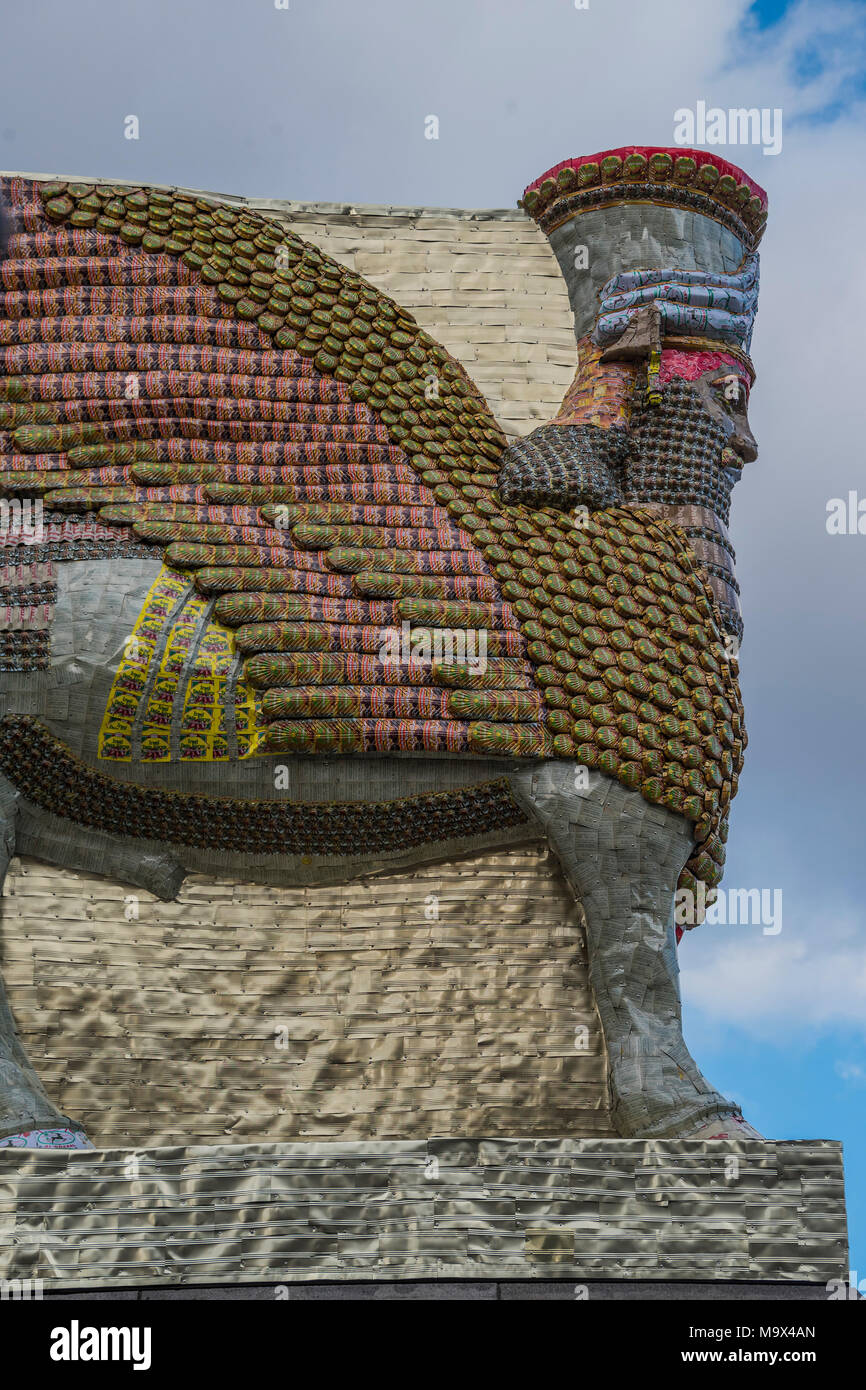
193 377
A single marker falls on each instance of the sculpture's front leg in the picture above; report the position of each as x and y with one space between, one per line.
28 1119
622 857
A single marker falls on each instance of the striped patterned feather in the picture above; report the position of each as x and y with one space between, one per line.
304 636
267 670
453 614
308 636
387 584
236 578
449 562
173 511
369 736
307 702
336 513
237 609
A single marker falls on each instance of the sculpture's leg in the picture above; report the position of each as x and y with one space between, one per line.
623 857
28 1119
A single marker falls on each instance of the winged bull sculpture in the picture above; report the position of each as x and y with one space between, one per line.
254 469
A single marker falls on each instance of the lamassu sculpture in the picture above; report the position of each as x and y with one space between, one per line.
254 467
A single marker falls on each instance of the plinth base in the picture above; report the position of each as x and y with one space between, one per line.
490 1210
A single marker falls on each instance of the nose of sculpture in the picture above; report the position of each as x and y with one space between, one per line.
743 442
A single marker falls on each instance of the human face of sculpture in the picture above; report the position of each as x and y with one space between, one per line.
690 447
725 397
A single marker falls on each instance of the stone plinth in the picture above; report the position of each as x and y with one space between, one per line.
489 1209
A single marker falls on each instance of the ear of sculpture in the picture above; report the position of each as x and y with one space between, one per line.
566 466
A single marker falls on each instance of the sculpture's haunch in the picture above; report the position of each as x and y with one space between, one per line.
281 527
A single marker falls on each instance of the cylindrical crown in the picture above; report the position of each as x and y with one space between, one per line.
645 208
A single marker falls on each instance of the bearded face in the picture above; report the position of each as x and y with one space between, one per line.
725 396
691 447
688 449
680 455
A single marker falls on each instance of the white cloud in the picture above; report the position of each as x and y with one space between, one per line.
814 59
796 984
797 822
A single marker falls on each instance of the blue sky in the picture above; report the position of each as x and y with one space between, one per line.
767 12
327 101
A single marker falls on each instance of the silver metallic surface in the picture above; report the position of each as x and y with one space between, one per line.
435 1208
636 236
622 857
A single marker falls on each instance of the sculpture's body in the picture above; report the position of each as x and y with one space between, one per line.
324 482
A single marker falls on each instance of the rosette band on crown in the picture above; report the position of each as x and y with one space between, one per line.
691 179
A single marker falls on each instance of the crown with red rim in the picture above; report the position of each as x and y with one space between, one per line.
640 173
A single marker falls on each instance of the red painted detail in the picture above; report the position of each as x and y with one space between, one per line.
676 152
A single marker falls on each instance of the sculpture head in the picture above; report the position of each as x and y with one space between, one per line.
658 250
722 386
689 444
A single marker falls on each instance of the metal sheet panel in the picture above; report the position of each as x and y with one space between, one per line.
450 999
500 1209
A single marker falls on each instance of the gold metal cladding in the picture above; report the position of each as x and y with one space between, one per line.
439 999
